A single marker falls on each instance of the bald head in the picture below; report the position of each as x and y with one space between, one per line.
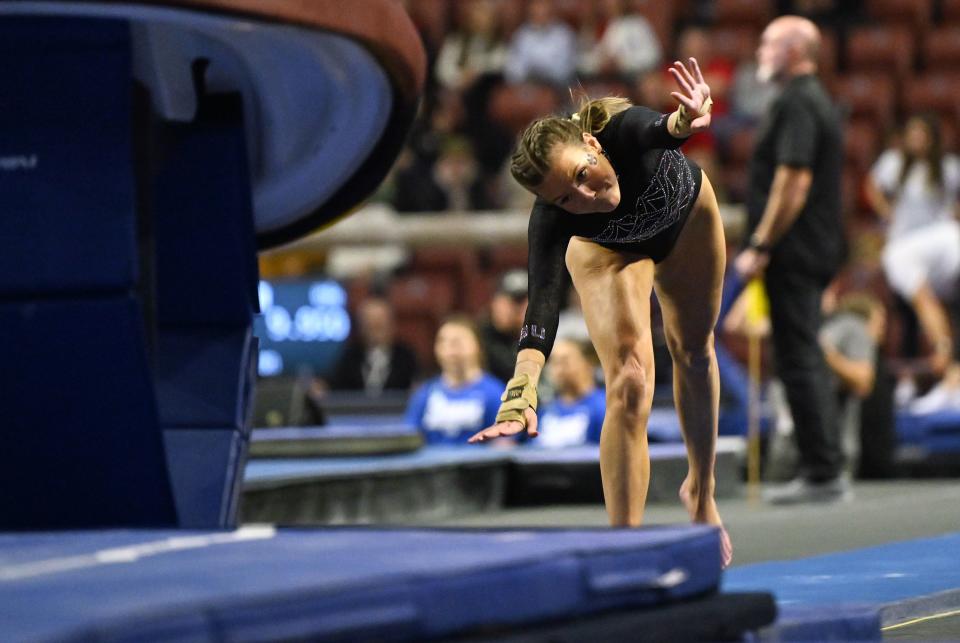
789 46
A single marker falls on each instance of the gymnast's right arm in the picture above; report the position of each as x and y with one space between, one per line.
547 240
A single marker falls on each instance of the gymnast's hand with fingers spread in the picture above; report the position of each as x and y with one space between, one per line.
517 411
693 115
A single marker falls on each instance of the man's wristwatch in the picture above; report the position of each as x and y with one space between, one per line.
757 245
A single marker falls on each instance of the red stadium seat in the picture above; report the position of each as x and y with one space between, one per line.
735 180
423 294
419 332
934 92
431 18
660 15
870 96
598 87
915 14
950 11
458 263
883 49
513 107
479 292
443 259
739 146
750 13
861 143
941 49
507 257
734 43
827 62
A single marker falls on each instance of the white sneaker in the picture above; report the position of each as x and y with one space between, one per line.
801 490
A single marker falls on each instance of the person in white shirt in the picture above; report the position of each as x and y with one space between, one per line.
543 49
627 45
915 187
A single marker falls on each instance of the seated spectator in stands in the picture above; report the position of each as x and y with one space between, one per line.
915 188
543 49
575 415
463 399
572 325
500 333
849 339
625 44
944 396
457 175
473 50
375 360
749 95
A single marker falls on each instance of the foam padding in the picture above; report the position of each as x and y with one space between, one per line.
83 446
346 584
206 468
204 377
67 188
897 581
836 623
932 432
206 251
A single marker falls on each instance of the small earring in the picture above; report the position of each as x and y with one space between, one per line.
591 159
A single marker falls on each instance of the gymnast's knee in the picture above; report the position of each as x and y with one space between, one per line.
630 386
691 354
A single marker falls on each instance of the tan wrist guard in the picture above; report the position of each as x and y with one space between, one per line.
684 118
519 395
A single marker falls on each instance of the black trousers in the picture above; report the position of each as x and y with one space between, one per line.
795 322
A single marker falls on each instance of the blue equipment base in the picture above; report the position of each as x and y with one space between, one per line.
858 591
259 583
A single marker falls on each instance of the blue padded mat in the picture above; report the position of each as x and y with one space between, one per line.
270 470
933 432
894 579
344 583
333 432
266 471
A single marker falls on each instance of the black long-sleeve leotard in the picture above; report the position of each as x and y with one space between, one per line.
658 187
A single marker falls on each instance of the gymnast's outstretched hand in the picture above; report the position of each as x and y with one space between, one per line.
511 427
694 95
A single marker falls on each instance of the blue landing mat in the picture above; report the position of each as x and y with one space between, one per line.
265 472
889 583
333 432
342 583
929 434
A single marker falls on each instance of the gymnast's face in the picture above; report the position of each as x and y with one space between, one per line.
581 180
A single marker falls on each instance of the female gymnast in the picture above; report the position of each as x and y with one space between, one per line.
627 213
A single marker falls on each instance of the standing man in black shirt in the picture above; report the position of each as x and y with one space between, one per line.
797 243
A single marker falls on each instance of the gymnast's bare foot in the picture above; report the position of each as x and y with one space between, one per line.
705 512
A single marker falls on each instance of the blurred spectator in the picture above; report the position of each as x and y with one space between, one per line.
475 49
749 96
575 416
414 187
457 175
470 65
915 188
463 399
501 332
375 360
945 396
572 325
624 42
543 49
849 339
916 183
